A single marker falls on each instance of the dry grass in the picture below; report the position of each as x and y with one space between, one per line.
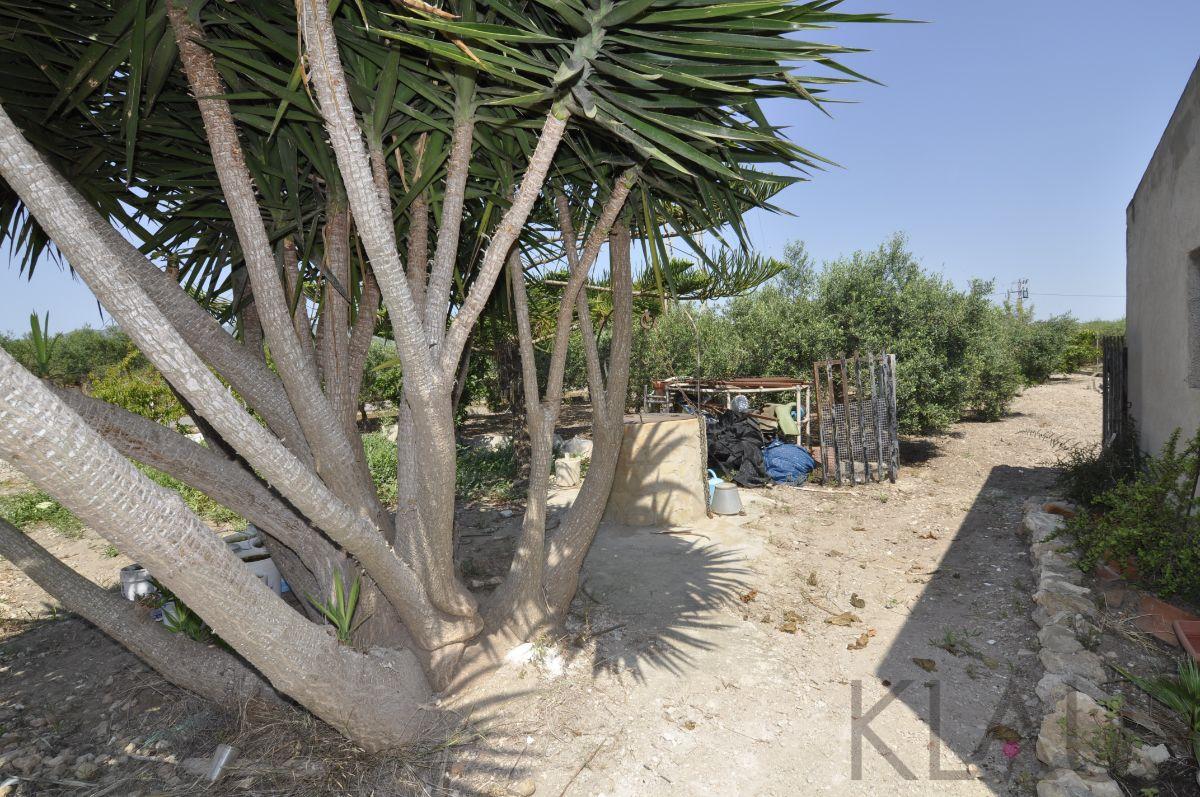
283 751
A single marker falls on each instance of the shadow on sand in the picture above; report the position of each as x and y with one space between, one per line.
964 659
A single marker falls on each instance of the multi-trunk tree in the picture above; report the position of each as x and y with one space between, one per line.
253 191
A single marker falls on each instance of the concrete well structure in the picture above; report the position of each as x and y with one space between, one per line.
660 474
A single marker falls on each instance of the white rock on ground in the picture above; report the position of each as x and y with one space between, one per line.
1146 760
1067 783
1042 526
1080 664
1059 638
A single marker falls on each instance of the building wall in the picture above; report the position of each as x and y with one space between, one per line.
1163 281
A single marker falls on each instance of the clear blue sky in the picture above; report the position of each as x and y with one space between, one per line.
1007 142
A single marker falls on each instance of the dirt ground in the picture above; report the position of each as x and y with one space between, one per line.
699 662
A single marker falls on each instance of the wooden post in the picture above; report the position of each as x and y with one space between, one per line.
846 410
862 420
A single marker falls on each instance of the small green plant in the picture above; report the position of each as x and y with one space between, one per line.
27 509
381 461
955 643
111 552
1180 693
179 619
487 475
42 344
1149 522
1088 471
339 609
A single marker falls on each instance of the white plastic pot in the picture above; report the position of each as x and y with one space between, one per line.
263 566
136 583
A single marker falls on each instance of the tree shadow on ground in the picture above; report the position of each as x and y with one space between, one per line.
918 451
646 603
965 659
659 584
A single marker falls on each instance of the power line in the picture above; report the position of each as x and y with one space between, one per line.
1086 295
1069 295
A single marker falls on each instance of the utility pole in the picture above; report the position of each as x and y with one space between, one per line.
1019 289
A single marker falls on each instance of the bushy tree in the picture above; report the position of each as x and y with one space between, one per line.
954 347
76 354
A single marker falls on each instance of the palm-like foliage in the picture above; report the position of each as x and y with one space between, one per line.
95 84
1180 694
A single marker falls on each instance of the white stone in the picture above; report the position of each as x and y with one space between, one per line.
1145 761
1081 664
1064 741
577 447
1052 688
1042 525
492 441
567 471
1059 638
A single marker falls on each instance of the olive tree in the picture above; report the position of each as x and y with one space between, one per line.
254 191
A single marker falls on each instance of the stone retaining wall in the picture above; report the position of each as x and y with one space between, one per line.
1076 722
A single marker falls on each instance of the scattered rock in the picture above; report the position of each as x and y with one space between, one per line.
1146 760
577 447
86 770
1042 526
1066 783
1057 607
1059 638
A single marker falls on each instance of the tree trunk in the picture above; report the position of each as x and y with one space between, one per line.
377 701
204 669
569 543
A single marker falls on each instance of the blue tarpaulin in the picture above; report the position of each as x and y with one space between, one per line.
787 463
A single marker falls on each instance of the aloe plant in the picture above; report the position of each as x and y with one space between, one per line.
340 608
43 344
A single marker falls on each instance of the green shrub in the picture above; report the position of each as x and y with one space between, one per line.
204 507
952 346
381 461
1150 522
135 385
482 474
382 377
75 354
24 510
1087 472
485 475
1042 346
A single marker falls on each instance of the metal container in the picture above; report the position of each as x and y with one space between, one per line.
726 500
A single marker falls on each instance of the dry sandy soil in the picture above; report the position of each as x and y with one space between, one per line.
697 662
